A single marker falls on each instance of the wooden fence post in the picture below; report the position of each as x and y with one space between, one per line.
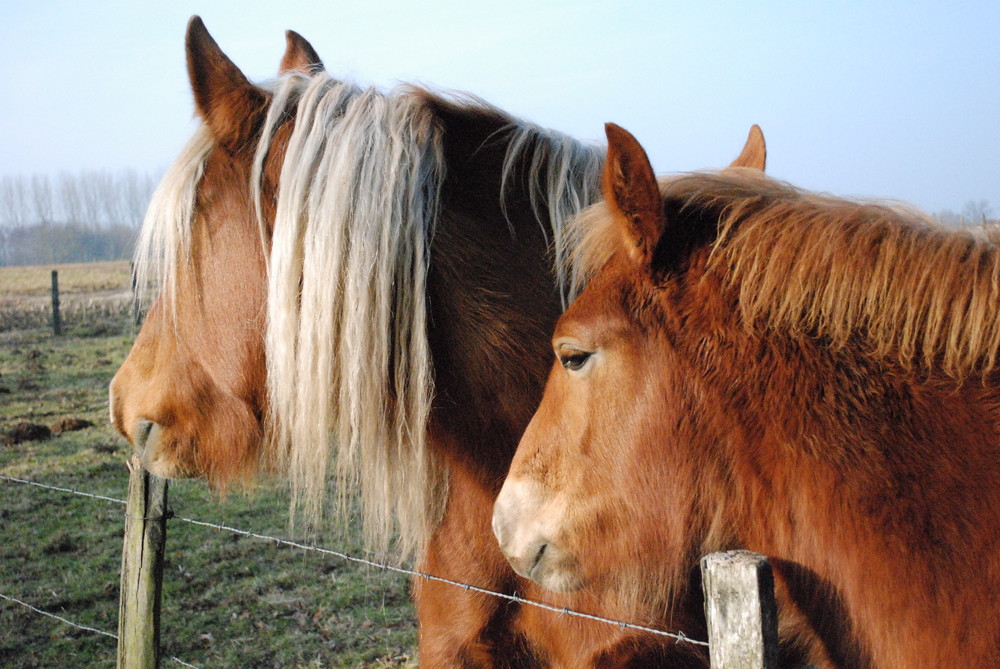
740 610
142 570
56 320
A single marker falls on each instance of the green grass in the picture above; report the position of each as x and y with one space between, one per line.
228 600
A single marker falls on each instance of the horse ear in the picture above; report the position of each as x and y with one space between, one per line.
631 191
299 55
223 96
754 154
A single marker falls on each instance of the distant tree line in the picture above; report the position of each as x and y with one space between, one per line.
95 215
974 213
73 217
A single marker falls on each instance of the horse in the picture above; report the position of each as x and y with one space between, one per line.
357 286
753 366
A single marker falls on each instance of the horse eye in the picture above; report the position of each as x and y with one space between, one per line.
574 361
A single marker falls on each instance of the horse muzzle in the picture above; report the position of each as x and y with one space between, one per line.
145 436
526 525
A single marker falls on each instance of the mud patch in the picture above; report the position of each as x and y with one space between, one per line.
25 431
70 425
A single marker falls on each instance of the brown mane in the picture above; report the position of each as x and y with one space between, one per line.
832 267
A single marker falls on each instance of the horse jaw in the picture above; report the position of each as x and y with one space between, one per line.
526 525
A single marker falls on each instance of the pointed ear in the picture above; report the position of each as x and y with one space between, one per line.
754 154
299 55
226 99
632 194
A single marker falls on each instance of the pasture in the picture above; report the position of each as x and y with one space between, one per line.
228 600
94 297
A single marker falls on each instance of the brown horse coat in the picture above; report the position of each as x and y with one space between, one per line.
377 267
752 366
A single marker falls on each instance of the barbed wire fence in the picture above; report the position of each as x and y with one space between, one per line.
678 637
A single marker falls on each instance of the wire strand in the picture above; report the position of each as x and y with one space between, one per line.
69 490
678 637
78 626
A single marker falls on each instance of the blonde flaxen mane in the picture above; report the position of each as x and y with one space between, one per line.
846 270
350 379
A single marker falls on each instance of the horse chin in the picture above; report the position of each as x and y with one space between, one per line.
167 470
558 573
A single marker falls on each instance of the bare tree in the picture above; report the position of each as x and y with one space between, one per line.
90 198
977 212
42 204
91 215
134 192
13 201
69 198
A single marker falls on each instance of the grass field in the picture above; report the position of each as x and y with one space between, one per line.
228 600
75 278
92 296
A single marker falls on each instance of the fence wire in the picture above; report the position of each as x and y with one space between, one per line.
678 637
78 626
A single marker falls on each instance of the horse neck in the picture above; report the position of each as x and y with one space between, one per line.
863 480
492 294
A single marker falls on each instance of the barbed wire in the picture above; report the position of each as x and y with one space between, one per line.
678 637
69 490
78 626
59 618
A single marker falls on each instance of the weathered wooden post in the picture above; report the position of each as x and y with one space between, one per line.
142 570
56 320
740 610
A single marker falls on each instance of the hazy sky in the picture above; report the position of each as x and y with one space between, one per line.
886 99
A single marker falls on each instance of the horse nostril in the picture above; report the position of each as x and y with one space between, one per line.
538 558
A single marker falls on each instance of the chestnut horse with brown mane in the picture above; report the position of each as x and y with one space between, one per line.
359 286
753 366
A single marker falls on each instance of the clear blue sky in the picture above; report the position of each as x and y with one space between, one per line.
886 99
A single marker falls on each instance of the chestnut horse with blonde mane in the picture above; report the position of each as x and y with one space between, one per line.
358 286
752 366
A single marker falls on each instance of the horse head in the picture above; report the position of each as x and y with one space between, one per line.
191 395
754 366
581 469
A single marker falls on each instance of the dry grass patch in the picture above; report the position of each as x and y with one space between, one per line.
93 277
